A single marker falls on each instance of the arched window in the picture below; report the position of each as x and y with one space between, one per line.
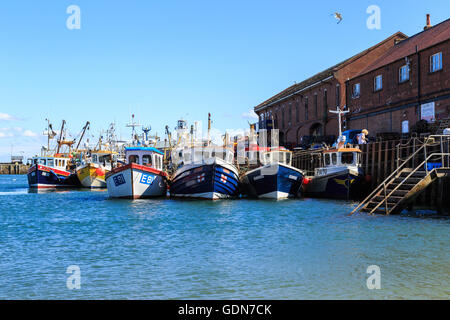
316 110
306 108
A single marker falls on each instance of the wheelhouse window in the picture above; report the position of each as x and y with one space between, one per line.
378 83
403 73
288 158
133 159
356 90
347 157
334 158
436 62
50 162
327 160
147 160
42 161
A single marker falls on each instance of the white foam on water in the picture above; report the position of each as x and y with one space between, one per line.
14 192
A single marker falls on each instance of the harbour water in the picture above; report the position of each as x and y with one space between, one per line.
237 249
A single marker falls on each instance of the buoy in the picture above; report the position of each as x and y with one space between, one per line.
100 172
306 181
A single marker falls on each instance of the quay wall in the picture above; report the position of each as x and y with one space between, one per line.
380 159
13 168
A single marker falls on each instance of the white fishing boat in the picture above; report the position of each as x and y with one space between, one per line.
141 177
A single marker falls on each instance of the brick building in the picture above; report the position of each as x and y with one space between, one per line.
408 83
300 112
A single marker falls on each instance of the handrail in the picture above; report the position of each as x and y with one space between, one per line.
379 188
405 179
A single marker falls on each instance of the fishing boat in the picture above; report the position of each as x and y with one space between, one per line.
141 177
53 169
341 175
213 176
92 172
275 178
204 171
51 172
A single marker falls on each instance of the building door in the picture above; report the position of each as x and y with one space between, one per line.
316 130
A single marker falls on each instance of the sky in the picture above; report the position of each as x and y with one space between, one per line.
165 60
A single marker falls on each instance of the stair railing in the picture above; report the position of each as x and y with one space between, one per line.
383 185
425 162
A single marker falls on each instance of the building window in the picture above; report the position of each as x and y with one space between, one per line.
356 90
297 112
325 103
316 111
283 123
338 95
403 73
378 83
436 62
306 108
290 114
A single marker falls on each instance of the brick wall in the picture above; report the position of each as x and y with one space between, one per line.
384 110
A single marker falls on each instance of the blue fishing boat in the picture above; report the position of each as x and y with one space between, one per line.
341 175
206 173
51 172
275 179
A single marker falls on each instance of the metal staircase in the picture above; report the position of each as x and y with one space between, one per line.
405 184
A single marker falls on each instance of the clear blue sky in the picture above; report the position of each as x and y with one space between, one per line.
167 59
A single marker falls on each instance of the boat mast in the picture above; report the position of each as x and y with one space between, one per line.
60 136
133 126
82 135
48 135
339 112
209 129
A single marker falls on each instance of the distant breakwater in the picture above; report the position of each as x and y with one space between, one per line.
13 168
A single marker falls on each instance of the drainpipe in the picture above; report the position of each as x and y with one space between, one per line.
418 82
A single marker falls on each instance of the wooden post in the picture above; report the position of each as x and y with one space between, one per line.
373 165
440 194
386 149
393 156
379 163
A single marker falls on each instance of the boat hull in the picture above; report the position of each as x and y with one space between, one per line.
134 181
346 184
273 181
43 177
92 175
210 181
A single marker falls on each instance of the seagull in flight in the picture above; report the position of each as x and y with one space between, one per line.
338 16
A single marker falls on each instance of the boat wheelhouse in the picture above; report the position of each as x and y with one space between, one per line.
275 178
141 177
340 176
